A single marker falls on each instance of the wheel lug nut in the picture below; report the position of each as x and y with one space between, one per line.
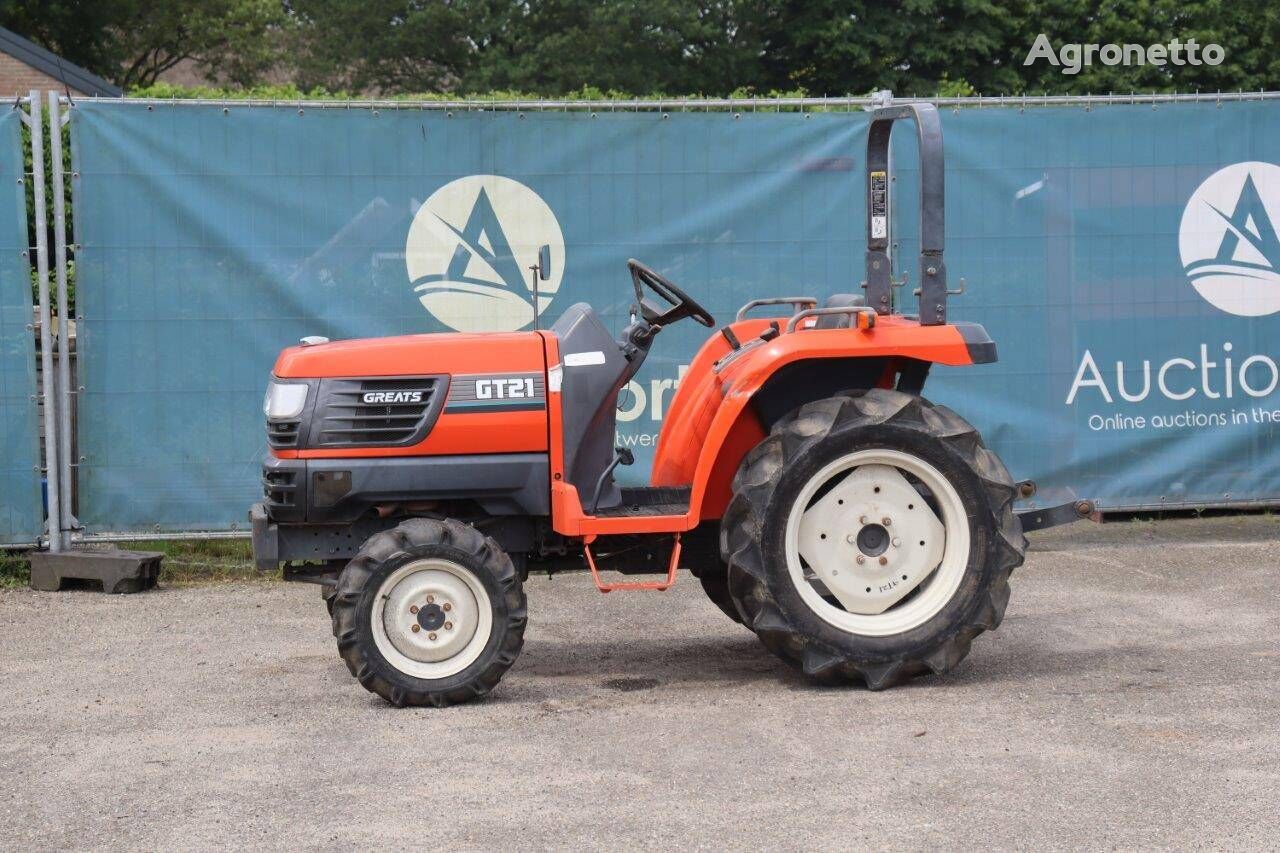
851 539
414 628
884 561
431 636
886 521
861 559
862 519
448 626
448 607
897 543
431 599
413 608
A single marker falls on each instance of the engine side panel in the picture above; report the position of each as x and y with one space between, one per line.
496 399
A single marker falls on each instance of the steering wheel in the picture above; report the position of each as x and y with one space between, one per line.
681 304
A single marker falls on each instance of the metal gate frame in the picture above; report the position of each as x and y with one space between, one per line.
53 389
37 181
48 464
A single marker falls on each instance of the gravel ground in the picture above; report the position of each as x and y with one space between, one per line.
1129 700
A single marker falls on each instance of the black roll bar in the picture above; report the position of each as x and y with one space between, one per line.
933 273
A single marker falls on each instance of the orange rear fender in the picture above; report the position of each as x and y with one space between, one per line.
711 427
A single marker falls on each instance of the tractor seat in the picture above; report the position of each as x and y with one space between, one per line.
839 300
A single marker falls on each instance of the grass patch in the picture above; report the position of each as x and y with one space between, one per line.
186 563
15 571
192 562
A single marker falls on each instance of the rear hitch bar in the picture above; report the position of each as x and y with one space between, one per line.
1053 516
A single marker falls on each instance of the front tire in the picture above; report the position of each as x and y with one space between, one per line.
871 537
431 612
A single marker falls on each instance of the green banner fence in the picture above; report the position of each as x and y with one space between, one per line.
1123 255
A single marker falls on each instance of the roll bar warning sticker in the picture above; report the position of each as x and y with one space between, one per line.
879 205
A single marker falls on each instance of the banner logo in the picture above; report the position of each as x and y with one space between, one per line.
1228 240
470 248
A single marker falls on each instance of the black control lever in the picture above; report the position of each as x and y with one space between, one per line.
621 456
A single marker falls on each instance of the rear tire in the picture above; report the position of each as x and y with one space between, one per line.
715 583
431 612
922 605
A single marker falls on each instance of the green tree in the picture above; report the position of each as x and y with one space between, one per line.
923 46
388 46
638 46
133 42
676 47
839 47
551 47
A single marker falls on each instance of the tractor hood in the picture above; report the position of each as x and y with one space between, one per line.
415 355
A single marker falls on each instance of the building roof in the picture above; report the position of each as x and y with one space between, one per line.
59 69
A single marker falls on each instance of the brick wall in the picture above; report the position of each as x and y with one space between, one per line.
18 78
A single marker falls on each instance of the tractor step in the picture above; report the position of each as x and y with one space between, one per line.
118 571
649 500
658 586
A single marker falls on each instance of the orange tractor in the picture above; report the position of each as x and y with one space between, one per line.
860 531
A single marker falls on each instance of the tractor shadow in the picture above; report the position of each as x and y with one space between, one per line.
638 664
603 667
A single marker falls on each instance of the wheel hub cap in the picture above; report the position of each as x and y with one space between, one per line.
871 539
430 615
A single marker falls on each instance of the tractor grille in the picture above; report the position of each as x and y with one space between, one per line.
283 433
365 412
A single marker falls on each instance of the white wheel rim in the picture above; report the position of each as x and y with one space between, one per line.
431 618
929 545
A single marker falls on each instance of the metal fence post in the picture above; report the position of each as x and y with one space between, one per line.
63 307
47 381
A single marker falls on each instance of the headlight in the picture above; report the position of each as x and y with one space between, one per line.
284 401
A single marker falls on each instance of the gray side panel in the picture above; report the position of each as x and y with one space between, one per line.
589 399
504 484
282 542
330 490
